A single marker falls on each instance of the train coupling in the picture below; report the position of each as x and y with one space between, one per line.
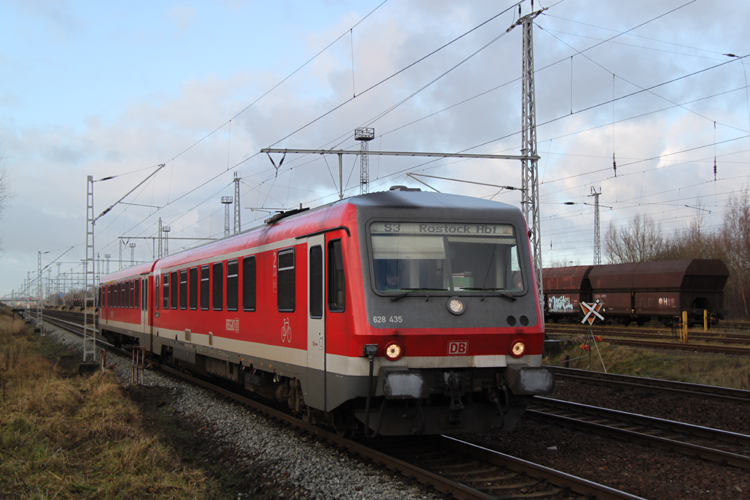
529 380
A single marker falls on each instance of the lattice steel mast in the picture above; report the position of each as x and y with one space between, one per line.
89 336
529 164
159 254
237 207
39 291
597 234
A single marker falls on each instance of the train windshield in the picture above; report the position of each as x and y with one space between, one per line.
447 257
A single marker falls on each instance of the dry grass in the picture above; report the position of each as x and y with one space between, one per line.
682 366
65 436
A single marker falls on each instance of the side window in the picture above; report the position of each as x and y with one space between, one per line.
285 297
316 282
115 294
127 295
137 294
131 295
144 302
336 278
248 283
218 287
173 289
205 287
193 288
165 279
156 297
183 289
232 285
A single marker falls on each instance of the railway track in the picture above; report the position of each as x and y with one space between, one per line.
664 339
654 384
679 346
647 332
702 442
449 465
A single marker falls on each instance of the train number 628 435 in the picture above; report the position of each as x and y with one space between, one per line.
387 319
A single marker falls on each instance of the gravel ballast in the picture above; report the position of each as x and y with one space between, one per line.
284 462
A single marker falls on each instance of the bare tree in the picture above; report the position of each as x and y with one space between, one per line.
693 241
735 243
640 241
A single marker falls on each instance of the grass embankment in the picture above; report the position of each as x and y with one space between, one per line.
69 436
682 366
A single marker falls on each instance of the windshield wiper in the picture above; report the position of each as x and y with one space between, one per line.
496 291
412 290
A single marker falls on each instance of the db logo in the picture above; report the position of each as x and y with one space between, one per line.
455 348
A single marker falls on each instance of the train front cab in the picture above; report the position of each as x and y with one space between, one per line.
452 338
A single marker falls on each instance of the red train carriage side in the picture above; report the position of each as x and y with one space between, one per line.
124 304
401 312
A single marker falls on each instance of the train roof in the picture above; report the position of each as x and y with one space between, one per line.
293 223
129 273
562 279
399 198
684 274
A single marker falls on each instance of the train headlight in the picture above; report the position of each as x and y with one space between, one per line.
517 349
393 351
456 306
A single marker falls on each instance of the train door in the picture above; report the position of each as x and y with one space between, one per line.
144 305
316 332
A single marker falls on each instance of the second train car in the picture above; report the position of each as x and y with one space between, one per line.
639 291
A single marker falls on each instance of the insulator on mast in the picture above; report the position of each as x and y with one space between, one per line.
614 164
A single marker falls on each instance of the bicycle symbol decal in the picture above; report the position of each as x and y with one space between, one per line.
286 331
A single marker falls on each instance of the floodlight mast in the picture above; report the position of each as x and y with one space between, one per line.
364 136
226 201
166 230
132 254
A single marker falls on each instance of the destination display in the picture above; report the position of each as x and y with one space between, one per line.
440 228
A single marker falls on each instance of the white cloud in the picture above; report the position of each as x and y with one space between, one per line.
182 16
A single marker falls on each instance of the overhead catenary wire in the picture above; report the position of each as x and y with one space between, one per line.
214 178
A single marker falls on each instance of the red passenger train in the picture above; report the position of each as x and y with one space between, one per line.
395 313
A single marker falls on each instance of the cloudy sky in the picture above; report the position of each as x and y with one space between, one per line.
113 89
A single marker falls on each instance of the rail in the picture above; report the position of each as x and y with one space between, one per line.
447 483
